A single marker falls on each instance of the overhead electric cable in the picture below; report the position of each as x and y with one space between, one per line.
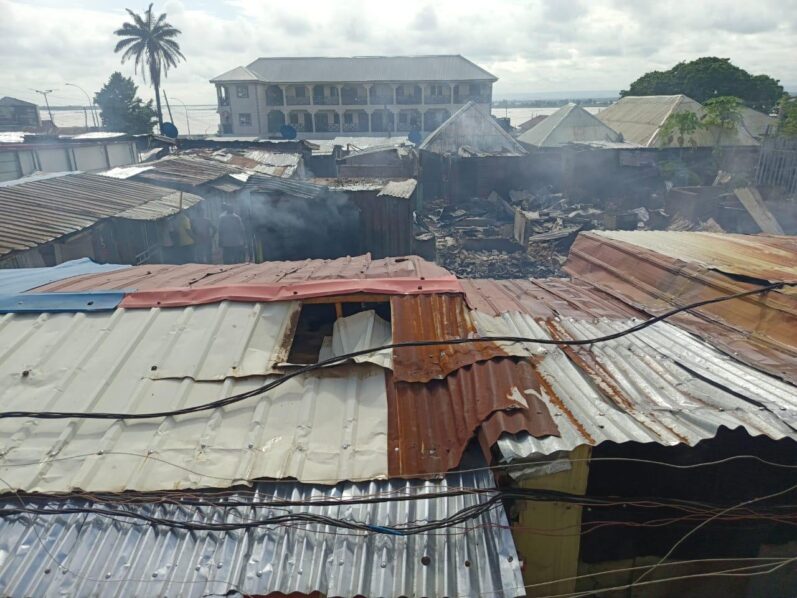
345 357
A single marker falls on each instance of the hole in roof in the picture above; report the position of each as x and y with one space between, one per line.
317 321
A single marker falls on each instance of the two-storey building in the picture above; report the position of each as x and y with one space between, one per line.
368 95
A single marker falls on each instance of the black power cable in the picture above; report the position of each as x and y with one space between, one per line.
341 358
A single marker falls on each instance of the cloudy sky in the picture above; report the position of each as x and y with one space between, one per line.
533 46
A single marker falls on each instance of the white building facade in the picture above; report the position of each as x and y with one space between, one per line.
360 96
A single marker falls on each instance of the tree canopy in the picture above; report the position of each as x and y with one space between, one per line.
710 77
150 42
121 110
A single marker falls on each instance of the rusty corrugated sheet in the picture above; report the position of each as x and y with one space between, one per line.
434 317
192 170
430 424
38 211
158 276
654 276
543 298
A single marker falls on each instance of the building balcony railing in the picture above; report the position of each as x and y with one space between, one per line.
380 100
353 100
465 98
354 128
301 127
408 99
325 101
437 99
327 128
225 102
294 101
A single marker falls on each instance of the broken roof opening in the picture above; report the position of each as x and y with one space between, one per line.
315 332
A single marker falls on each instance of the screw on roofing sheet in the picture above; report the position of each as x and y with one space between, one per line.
100 452
425 560
203 446
153 368
107 576
47 571
383 564
510 559
154 574
218 566
251 445
467 563
150 451
259 573
197 568
25 373
90 303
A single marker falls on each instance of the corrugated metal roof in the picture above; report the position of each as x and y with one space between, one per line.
158 276
320 69
658 385
656 271
262 183
640 118
400 189
434 317
88 555
193 170
329 426
430 424
60 302
472 130
19 280
39 211
239 73
570 123
764 257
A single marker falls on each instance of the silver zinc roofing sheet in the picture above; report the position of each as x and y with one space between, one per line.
327 427
320 69
660 385
568 124
88 555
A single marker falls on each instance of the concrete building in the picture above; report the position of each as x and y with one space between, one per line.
370 95
18 114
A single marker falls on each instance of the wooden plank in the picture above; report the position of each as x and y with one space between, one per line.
752 201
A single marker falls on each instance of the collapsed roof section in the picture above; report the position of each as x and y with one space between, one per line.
571 123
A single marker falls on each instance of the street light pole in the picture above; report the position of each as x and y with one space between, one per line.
44 93
91 104
187 122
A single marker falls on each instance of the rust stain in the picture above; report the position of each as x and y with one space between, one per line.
552 396
759 330
434 317
430 424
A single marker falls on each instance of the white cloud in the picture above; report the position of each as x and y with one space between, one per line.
532 46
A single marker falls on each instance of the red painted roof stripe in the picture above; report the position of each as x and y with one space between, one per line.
257 293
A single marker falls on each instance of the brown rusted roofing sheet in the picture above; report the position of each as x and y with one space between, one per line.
430 424
159 276
544 298
434 317
766 257
759 330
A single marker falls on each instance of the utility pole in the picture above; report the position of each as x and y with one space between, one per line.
91 105
44 93
187 122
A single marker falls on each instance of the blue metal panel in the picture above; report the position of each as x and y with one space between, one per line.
19 280
60 302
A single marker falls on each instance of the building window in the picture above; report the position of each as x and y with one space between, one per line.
242 91
437 90
300 91
348 118
245 119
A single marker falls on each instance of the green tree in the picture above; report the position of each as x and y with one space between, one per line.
150 41
710 77
787 116
121 110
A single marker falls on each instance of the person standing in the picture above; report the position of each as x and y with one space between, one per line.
203 230
232 237
179 240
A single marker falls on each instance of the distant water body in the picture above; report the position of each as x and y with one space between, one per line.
203 120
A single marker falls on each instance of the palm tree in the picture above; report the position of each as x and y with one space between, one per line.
150 41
